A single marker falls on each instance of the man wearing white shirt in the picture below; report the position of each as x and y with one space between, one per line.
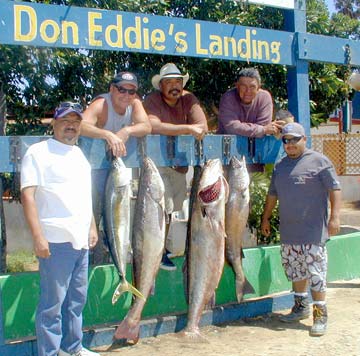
56 197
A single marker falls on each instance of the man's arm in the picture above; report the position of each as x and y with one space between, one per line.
93 123
93 234
232 123
268 209
335 206
41 245
198 129
141 123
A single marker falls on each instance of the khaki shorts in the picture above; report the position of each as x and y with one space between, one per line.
306 261
175 188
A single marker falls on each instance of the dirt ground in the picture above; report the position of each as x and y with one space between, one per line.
266 335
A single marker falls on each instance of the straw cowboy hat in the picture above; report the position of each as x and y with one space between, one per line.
169 70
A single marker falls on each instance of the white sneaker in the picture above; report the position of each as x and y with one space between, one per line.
82 352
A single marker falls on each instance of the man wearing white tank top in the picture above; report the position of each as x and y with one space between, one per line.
114 117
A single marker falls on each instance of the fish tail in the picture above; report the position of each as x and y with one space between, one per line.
124 287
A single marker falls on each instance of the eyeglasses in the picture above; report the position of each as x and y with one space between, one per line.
123 90
292 140
67 105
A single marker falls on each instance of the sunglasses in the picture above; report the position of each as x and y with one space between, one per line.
292 140
67 105
123 90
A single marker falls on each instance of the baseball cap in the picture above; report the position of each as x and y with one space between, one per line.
68 107
125 78
293 129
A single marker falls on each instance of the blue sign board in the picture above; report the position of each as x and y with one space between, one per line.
35 24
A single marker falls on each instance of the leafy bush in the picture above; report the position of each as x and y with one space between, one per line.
258 191
21 261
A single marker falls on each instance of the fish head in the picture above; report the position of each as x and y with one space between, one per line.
121 174
212 186
152 177
238 176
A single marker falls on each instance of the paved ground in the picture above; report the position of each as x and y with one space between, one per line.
266 335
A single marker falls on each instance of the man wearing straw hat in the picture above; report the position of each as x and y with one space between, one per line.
174 111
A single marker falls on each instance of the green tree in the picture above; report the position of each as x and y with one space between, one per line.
350 8
47 75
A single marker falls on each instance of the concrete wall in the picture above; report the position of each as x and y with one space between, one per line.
350 188
18 234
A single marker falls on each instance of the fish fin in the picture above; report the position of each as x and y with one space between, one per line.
152 290
227 189
125 287
127 332
248 288
211 303
217 227
243 287
192 336
203 212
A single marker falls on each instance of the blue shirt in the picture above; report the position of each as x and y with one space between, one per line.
302 187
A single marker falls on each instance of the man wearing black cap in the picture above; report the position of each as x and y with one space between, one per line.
174 111
114 117
303 182
117 115
56 197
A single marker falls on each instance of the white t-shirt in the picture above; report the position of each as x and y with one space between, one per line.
62 176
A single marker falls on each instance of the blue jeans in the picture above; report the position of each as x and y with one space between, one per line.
63 291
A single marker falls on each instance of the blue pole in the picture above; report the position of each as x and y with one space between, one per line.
298 75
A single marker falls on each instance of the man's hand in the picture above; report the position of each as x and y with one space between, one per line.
116 144
41 247
265 227
274 128
334 226
198 131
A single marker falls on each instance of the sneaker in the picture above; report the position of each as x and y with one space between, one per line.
166 263
320 320
82 352
299 311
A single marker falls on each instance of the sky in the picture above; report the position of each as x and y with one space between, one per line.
330 5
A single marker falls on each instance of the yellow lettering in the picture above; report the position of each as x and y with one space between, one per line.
275 46
244 46
228 40
254 49
54 28
199 50
65 27
146 38
32 23
137 35
92 16
117 30
263 45
215 47
182 45
157 37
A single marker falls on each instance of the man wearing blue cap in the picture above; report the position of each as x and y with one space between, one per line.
56 197
303 182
